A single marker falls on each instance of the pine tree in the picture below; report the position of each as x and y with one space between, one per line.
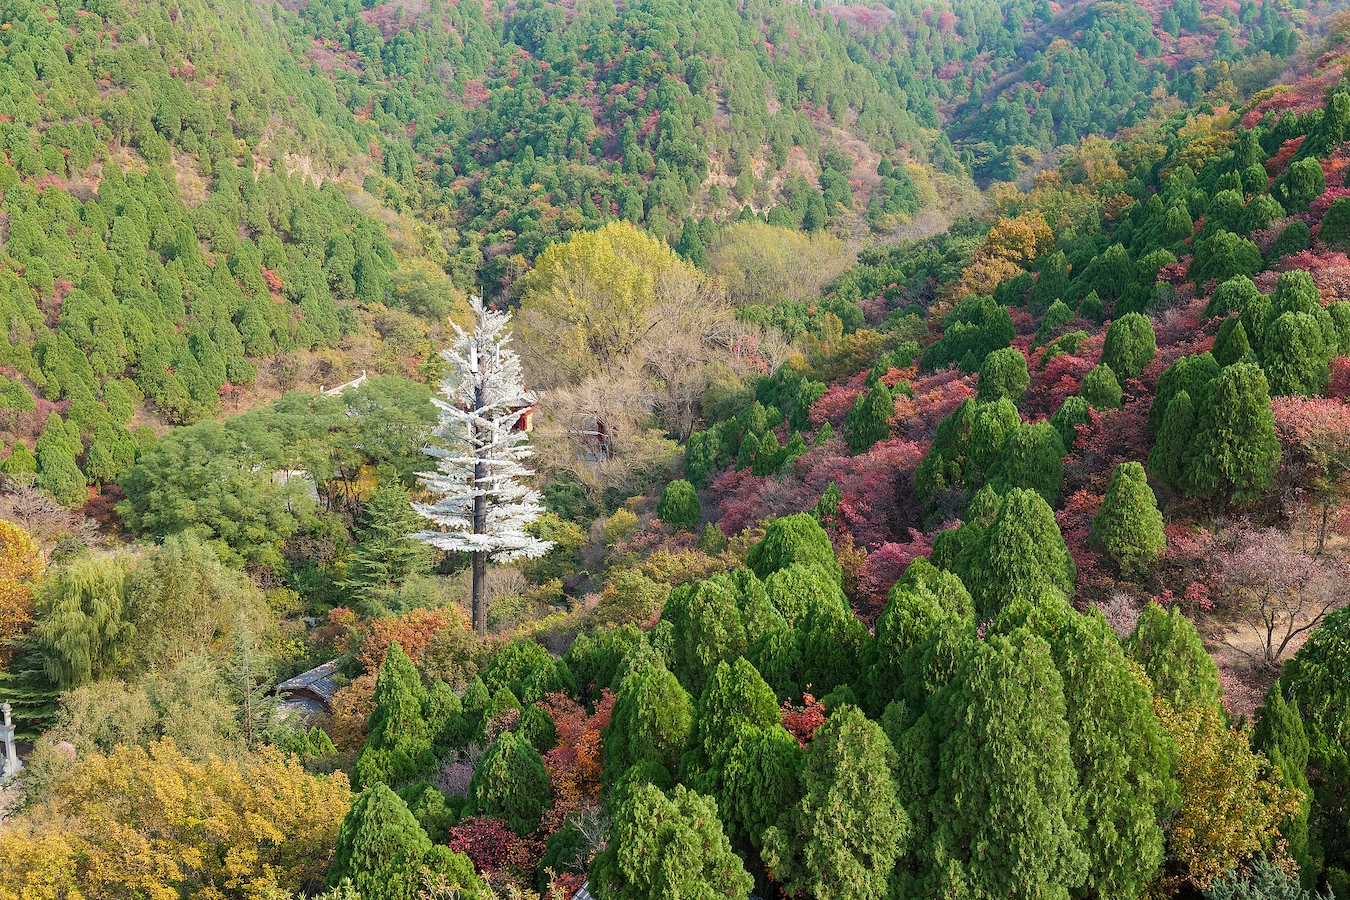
1020 556
511 784
843 837
485 500
1128 526
1130 345
679 506
869 420
1101 389
386 554
251 680
399 748
1004 374
1236 450
663 846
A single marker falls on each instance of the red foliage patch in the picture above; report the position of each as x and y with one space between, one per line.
883 568
487 842
802 721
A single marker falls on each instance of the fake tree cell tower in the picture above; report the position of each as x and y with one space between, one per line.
485 495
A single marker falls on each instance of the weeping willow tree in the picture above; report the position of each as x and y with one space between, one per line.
84 631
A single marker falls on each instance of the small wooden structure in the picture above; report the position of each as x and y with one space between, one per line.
310 694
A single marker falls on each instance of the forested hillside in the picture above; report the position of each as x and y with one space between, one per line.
918 465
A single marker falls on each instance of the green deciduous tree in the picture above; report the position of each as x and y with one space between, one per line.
84 628
1128 526
842 838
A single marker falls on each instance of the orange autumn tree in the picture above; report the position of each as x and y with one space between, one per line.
21 565
1009 247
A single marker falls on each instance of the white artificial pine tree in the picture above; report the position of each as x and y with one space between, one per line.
485 496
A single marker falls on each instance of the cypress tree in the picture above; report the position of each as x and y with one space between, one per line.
399 748
1006 777
1031 457
1125 761
1189 373
707 627
768 455
511 784
1004 374
789 540
760 781
843 837
649 724
663 846
1128 526
679 506
1231 297
383 851
1236 450
735 696
1231 344
1071 413
59 476
1167 459
1130 345
1168 647
1021 555
1101 389
928 623
1295 356
869 420
1052 282
1280 735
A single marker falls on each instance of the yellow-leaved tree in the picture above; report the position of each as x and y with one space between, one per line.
21 566
152 823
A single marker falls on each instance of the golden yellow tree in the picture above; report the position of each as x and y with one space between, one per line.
154 824
21 565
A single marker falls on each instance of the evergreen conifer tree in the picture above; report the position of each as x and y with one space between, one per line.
1071 413
679 506
511 784
843 837
1004 374
1031 457
1167 646
385 554
1006 776
791 540
1021 555
649 724
399 748
663 846
1167 459
1130 345
1236 451
1101 389
869 420
1128 526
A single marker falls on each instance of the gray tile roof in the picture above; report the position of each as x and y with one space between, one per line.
319 682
